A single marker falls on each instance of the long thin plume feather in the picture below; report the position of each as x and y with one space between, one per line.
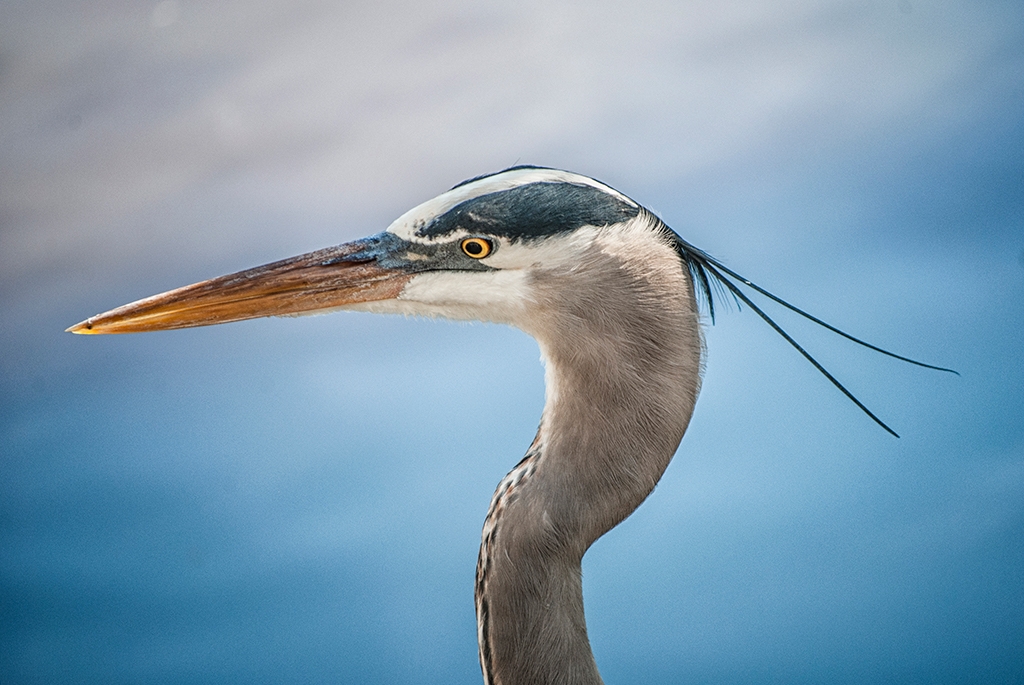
706 270
811 317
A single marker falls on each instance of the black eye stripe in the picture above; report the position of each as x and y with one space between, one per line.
531 212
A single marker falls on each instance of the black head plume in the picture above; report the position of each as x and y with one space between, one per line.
708 273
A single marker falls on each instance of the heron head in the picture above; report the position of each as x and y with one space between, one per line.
474 252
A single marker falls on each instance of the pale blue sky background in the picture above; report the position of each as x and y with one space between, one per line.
300 500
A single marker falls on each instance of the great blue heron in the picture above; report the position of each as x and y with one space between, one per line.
610 294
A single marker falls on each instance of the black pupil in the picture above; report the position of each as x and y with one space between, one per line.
474 247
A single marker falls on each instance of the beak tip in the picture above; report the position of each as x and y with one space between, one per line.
83 328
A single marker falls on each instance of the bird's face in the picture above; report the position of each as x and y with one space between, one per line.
469 253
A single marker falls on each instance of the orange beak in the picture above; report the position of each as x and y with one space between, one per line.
325 279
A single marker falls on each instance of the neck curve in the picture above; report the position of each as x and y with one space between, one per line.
623 353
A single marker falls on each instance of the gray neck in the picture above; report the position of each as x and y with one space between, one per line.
623 356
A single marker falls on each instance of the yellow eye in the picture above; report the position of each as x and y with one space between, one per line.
477 248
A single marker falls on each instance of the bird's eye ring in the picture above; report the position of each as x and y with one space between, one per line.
477 248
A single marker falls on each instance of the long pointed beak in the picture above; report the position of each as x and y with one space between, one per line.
324 279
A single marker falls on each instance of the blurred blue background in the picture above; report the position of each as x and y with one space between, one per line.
300 500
